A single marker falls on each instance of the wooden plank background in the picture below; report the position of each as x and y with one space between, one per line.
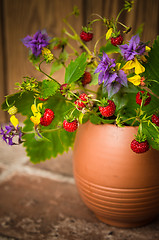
20 18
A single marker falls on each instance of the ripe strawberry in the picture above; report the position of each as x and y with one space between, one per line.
155 119
83 97
43 99
70 126
79 102
86 36
139 147
87 78
47 117
109 110
117 40
63 89
142 94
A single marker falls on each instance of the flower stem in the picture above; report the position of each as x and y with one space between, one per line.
47 74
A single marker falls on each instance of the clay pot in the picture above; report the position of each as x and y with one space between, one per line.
118 185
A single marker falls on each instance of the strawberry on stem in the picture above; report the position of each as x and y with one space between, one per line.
47 118
86 35
143 96
70 126
117 40
155 119
140 143
81 102
109 109
87 78
139 147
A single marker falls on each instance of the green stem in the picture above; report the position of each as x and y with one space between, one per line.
47 74
95 46
76 37
75 51
128 119
118 15
123 25
85 89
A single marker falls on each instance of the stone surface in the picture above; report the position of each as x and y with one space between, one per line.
62 164
11 154
41 202
36 208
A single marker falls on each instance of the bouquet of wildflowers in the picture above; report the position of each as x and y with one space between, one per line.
126 74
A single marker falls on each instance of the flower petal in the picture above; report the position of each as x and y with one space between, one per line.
14 121
135 80
138 67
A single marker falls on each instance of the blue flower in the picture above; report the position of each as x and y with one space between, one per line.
37 42
135 47
112 79
9 132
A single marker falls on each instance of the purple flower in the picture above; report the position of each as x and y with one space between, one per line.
135 47
9 132
113 80
37 42
114 86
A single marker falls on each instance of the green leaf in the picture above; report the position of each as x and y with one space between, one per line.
109 48
98 120
22 100
152 134
76 69
58 140
56 66
152 67
94 79
48 88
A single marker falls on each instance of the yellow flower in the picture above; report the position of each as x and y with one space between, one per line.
47 54
14 121
118 66
134 64
36 112
147 49
135 80
109 33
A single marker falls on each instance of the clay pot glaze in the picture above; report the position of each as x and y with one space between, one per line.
118 185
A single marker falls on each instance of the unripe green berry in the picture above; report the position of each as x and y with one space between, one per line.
13 110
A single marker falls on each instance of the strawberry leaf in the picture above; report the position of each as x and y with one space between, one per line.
152 134
56 66
152 67
22 100
56 140
48 88
76 69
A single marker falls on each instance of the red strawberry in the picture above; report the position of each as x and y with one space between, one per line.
83 97
47 117
43 99
117 40
63 89
108 110
79 102
155 119
139 147
86 36
139 97
87 78
70 126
